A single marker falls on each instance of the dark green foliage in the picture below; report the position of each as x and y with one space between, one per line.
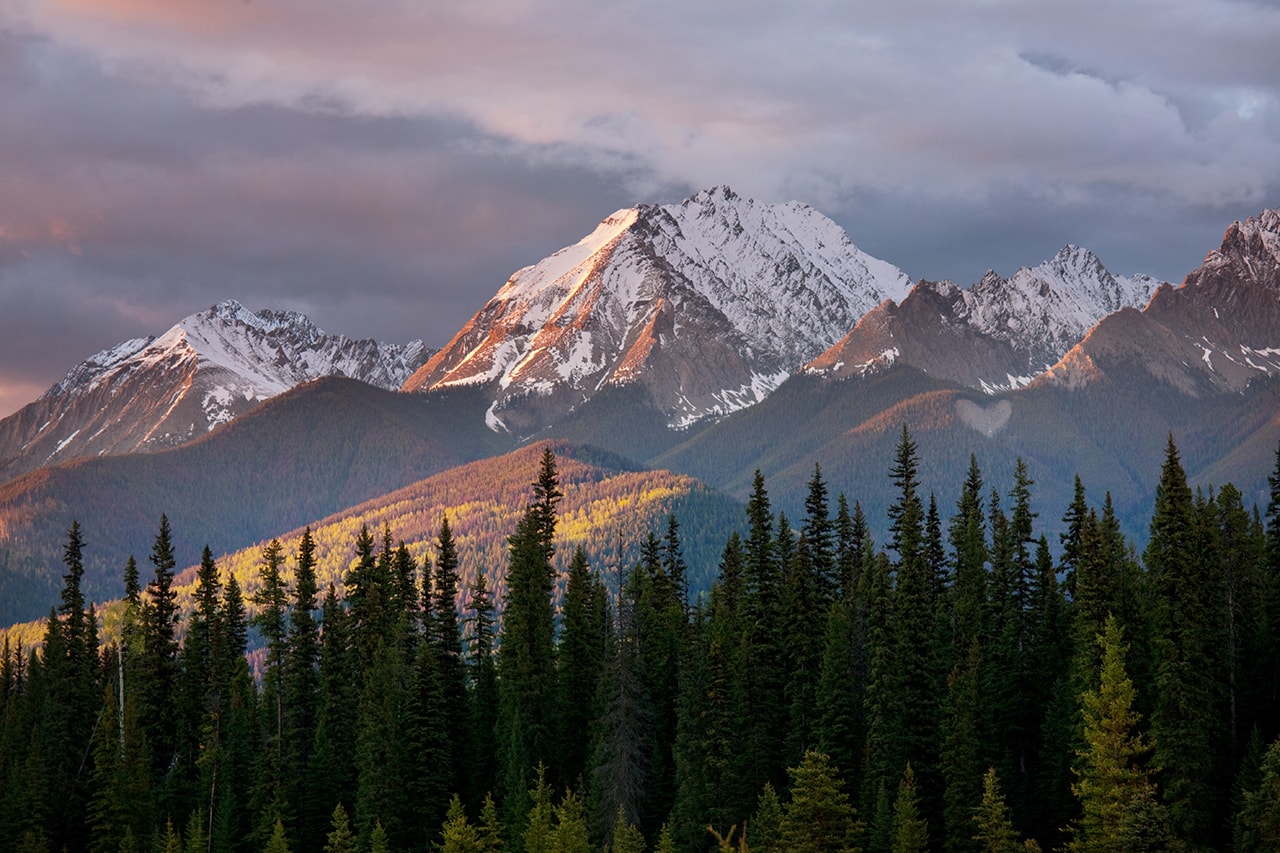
526 660
301 688
583 636
482 700
331 772
820 533
446 641
1257 823
625 737
158 668
383 748
840 725
962 757
916 668
1186 722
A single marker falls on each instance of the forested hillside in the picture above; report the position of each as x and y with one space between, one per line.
965 685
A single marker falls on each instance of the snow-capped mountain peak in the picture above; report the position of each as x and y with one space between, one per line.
996 335
1250 251
709 303
1048 308
154 392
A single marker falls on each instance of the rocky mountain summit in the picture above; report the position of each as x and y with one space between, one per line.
151 393
707 304
994 336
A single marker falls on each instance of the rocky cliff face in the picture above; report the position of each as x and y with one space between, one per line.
1217 332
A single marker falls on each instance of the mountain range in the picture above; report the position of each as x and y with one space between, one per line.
709 338
147 394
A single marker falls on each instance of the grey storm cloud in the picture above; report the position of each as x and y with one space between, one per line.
384 166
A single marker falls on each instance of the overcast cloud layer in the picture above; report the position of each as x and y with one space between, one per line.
384 165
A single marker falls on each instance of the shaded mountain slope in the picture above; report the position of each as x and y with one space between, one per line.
323 446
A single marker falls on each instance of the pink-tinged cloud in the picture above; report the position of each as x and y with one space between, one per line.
947 97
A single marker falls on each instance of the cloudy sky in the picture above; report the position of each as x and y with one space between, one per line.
384 165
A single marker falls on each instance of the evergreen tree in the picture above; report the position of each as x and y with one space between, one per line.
331 770
621 765
804 607
660 629
818 818
490 830
820 534
673 561
962 750
429 744
1185 722
447 642
909 678
764 831
120 806
482 699
538 823
159 658
910 830
300 687
1268 626
272 623
526 661
995 831
968 593
840 727
340 839
764 666
625 837
233 737
580 657
1257 822
570 833
367 594
69 698
1119 806
278 842
202 689
854 548
383 748
458 835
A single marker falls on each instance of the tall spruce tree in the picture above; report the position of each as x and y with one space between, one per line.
331 773
1120 809
581 661
1186 727
300 686
159 662
526 661
821 537
272 622
764 667
447 642
625 738
482 698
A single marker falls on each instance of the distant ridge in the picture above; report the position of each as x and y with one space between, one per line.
147 394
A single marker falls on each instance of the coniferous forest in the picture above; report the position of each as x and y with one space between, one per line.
966 685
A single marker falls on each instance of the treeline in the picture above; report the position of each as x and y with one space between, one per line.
958 688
